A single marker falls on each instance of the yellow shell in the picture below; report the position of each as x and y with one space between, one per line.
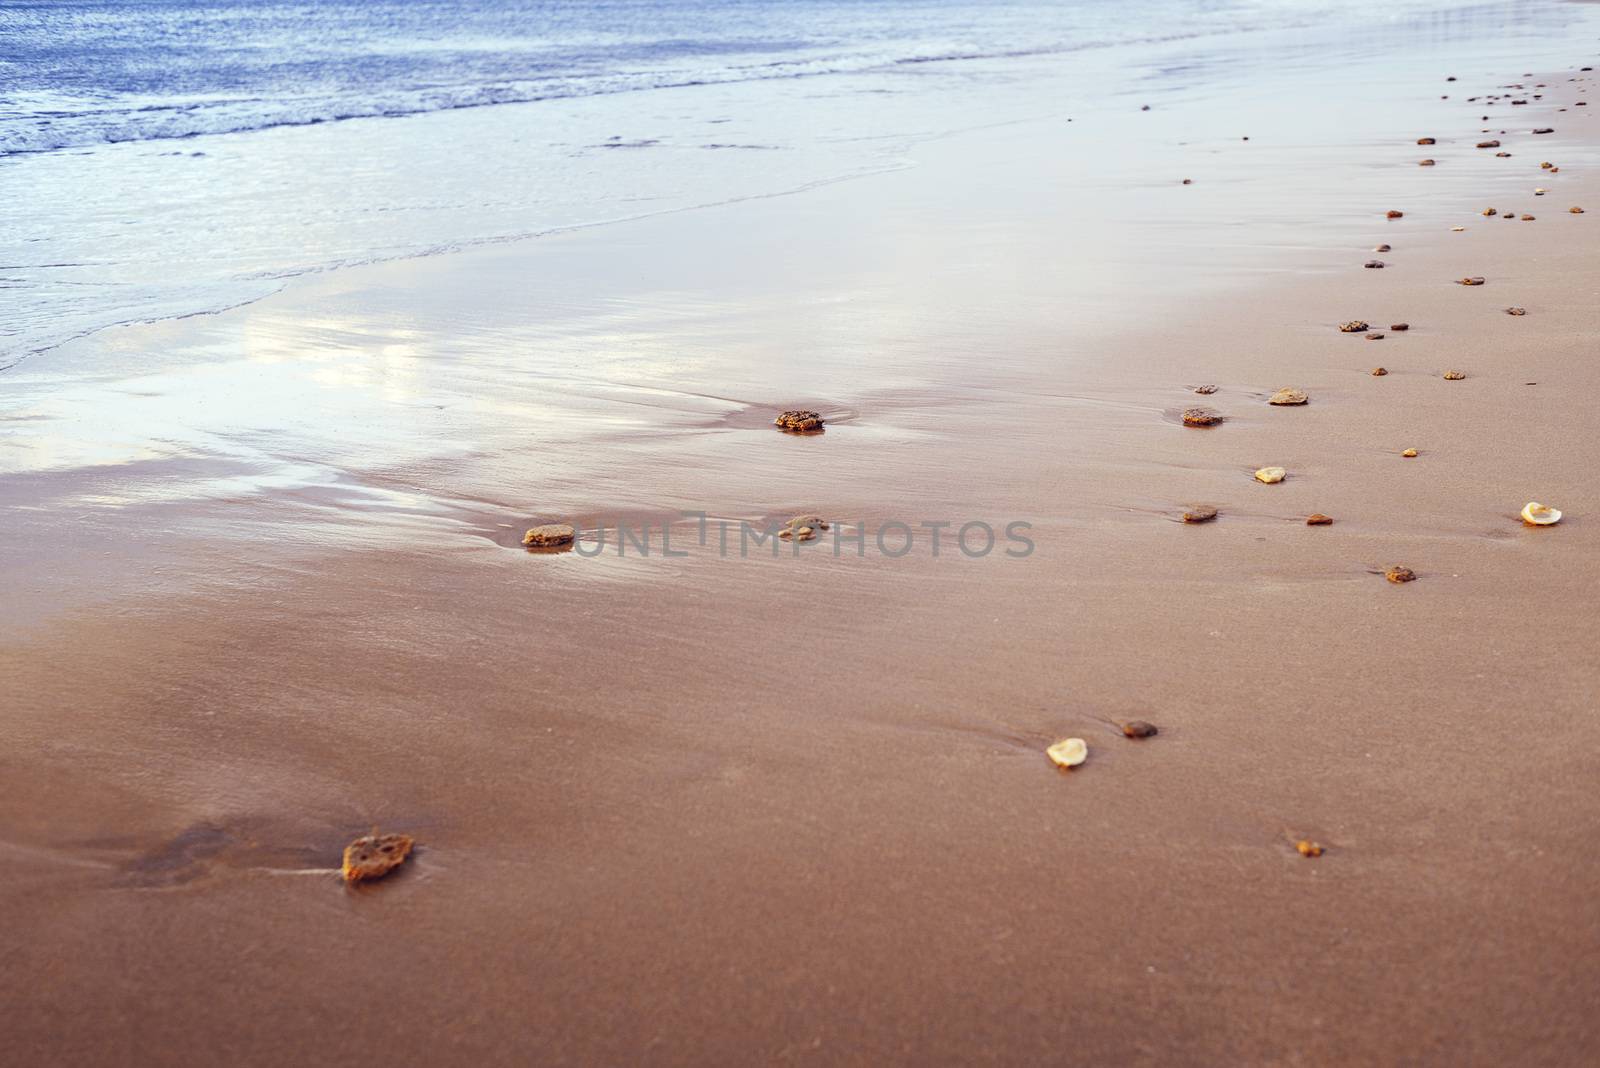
1271 474
1068 753
1539 515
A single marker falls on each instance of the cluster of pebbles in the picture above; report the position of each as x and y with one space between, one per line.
1534 514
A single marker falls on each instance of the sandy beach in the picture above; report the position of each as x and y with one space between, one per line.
265 591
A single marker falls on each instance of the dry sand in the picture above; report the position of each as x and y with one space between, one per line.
710 810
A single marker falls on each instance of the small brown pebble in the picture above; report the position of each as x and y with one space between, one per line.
1409 453
549 534
803 527
1288 395
1527 218
1354 326
1395 214
1502 155
375 855
1203 513
1425 163
1399 574
1375 336
1317 519
1546 165
1382 248
1516 311
1488 144
1205 391
1200 417
1188 181
1491 211
1373 264
1399 327
1544 130
1454 376
1307 848
1473 281
1426 141
1138 728
1379 372
798 421
1457 229
1576 211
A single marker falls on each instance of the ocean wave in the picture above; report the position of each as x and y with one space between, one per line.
63 129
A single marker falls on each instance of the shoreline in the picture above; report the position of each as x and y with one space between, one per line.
675 812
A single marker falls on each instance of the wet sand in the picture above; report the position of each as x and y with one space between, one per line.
708 809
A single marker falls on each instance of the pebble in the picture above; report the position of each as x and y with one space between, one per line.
1354 326
1488 144
1068 753
1409 453
1576 211
375 855
1454 376
1373 264
1138 728
1200 417
1425 163
1383 248
1457 229
1200 514
1546 165
1426 141
1270 475
1379 372
1527 218
1473 281
1288 395
1188 181
798 421
1375 336
1399 327
1205 391
1545 130
1392 214
1539 515
1491 211
1502 155
1307 848
1516 311
1317 519
1399 574
803 527
549 534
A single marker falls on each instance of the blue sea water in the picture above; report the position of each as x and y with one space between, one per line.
168 157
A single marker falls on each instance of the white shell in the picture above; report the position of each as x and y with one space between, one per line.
1068 753
1539 515
1271 474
